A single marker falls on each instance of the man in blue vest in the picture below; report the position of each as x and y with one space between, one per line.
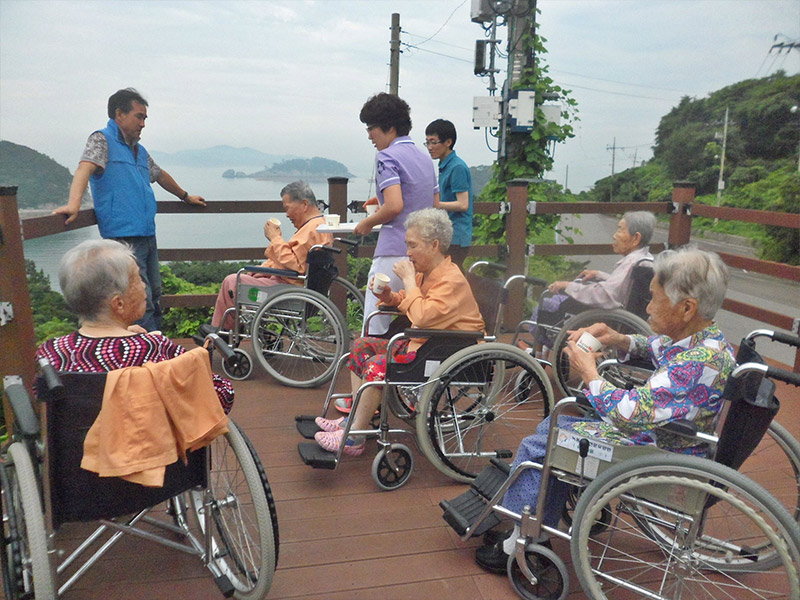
120 172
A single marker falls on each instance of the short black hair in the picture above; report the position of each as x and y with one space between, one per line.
387 111
444 129
123 100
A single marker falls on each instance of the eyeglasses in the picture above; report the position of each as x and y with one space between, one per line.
429 143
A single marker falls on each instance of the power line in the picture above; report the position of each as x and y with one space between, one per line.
445 22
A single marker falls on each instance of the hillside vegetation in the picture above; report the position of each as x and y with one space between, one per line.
761 159
41 181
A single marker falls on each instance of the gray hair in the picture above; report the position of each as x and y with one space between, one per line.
93 272
432 224
299 191
692 273
641 222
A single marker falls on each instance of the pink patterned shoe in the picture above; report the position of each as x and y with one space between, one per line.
331 441
330 425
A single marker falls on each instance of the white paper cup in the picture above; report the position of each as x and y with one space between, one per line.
274 221
371 209
588 343
379 283
332 220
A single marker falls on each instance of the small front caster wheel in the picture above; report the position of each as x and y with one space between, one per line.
239 366
392 466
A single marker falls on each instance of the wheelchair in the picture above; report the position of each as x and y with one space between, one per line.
645 523
464 402
219 504
297 333
630 319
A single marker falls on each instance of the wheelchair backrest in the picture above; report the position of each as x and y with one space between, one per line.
639 295
320 270
491 296
753 405
80 495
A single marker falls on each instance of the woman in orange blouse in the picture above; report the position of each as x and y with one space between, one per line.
436 296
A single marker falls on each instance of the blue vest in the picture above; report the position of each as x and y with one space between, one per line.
124 202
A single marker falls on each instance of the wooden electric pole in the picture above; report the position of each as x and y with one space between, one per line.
394 55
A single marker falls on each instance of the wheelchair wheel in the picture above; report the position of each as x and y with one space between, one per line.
26 563
552 579
478 405
235 512
619 320
298 335
239 367
684 527
779 451
392 466
354 308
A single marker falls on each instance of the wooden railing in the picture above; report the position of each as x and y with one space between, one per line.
17 339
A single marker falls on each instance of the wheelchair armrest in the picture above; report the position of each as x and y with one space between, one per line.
682 427
25 419
388 310
426 333
221 345
269 271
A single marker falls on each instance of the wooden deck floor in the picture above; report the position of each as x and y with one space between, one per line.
341 537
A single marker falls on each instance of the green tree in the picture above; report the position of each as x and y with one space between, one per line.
51 315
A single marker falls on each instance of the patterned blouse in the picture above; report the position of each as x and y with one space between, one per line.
79 354
688 382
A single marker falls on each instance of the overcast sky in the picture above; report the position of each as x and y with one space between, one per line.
290 76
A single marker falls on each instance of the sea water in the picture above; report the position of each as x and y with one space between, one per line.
241 230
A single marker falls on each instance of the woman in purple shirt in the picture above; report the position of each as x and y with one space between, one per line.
405 181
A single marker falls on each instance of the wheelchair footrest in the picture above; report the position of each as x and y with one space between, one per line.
314 456
306 426
491 478
462 512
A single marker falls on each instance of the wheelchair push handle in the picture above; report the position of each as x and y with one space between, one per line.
26 423
345 242
220 345
776 336
49 376
771 372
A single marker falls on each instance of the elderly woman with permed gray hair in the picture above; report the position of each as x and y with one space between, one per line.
692 363
101 284
436 295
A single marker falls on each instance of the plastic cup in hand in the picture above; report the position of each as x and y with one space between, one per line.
275 221
332 220
379 283
588 343
371 209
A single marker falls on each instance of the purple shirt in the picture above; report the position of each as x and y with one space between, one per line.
404 164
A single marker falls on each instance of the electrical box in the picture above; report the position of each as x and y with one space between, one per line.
521 110
485 111
481 11
552 113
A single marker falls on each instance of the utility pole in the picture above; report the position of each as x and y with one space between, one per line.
613 149
721 180
394 56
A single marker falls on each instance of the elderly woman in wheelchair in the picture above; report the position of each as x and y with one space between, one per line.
436 296
101 284
593 289
692 361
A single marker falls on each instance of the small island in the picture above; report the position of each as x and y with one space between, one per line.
308 169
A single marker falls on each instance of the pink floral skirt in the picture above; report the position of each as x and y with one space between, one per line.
368 357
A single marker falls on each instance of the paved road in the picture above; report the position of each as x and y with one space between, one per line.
771 293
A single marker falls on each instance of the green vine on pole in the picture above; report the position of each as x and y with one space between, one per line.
529 154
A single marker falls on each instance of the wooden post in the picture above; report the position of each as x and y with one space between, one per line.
17 340
516 229
680 225
337 196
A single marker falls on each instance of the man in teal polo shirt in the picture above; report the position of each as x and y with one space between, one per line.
455 186
120 172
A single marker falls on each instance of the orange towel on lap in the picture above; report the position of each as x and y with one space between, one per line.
151 415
